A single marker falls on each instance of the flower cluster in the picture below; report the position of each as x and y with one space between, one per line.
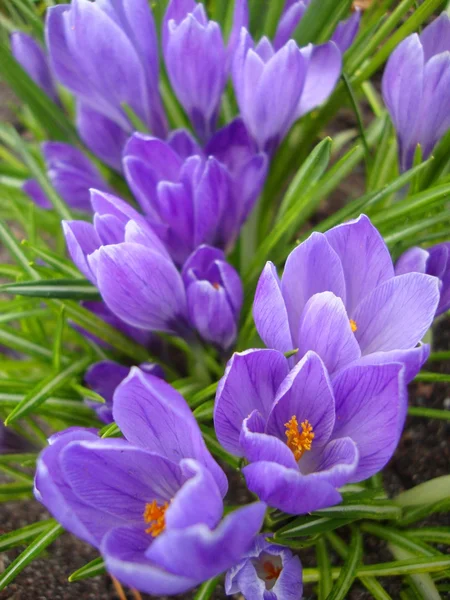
323 405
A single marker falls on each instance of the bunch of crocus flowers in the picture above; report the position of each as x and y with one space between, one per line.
324 403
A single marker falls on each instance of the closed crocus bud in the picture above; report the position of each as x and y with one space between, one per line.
416 90
268 571
72 174
193 198
34 61
106 53
431 261
274 88
214 296
125 259
34 191
196 61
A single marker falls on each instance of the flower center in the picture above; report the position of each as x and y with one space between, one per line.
155 516
299 442
271 572
353 325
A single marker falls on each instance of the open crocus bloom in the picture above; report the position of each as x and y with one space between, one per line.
303 436
267 572
151 503
340 297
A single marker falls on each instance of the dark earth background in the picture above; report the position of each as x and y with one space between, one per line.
423 453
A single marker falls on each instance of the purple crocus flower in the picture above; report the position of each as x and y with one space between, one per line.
125 259
432 261
152 502
193 197
105 376
303 436
275 88
214 296
106 54
33 59
416 84
343 35
13 443
267 572
196 62
339 296
72 175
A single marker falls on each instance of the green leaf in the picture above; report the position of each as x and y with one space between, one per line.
320 20
205 411
207 589
45 388
309 173
25 534
15 491
213 445
92 569
54 260
25 457
428 376
135 121
349 569
72 289
47 113
16 251
274 10
24 314
378 511
34 550
306 526
58 336
429 413
435 490
422 584
12 339
439 535
324 566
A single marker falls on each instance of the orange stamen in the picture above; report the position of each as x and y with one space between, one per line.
216 286
155 515
353 325
298 442
272 572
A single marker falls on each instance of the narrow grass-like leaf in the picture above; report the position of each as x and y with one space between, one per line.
16 252
422 584
211 441
348 572
199 397
438 535
24 314
72 289
205 411
92 569
22 458
135 121
305 526
24 535
36 548
57 344
435 377
417 513
207 589
429 413
54 260
324 566
12 339
435 490
377 511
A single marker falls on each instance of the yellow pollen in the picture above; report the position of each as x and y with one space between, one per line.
271 571
296 441
155 515
353 325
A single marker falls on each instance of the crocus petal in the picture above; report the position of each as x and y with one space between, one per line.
324 65
141 287
32 58
270 312
397 314
412 359
288 22
81 240
258 446
124 550
289 490
413 260
240 19
305 393
370 402
184 143
32 188
346 31
176 11
197 265
101 135
200 553
311 268
211 314
119 479
325 329
103 377
53 491
364 256
145 403
198 501
435 38
250 383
